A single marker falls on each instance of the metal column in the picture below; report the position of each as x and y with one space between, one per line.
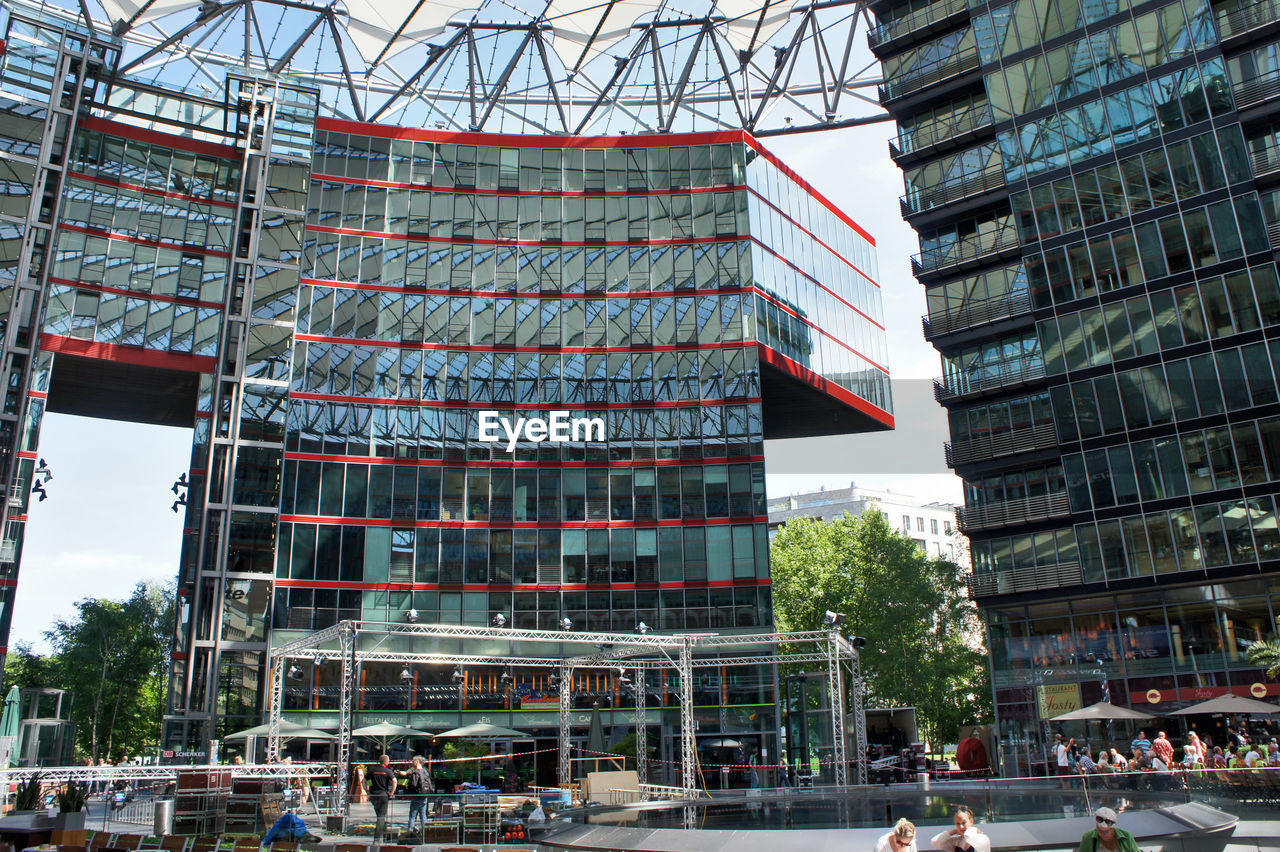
347 648
642 730
566 702
835 686
276 705
859 718
688 744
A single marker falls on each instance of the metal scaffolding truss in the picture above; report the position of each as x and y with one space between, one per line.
354 643
564 67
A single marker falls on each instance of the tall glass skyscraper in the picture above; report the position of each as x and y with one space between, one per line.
338 308
1093 188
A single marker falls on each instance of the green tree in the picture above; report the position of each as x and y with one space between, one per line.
1265 653
113 655
924 637
26 669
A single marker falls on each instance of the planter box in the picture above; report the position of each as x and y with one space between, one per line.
69 821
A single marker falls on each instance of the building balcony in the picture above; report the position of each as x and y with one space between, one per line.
951 191
1267 161
1256 90
957 387
918 24
951 66
1238 22
938 133
969 252
979 448
985 584
1012 512
976 314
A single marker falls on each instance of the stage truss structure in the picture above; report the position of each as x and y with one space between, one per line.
354 643
555 67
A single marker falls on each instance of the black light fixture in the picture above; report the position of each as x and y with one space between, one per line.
858 642
294 673
643 628
832 620
553 680
411 616
38 488
181 501
566 624
507 677
499 620
406 676
623 680
180 482
42 469
458 675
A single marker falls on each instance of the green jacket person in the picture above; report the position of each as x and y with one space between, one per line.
1105 836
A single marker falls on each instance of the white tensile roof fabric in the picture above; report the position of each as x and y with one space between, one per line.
372 25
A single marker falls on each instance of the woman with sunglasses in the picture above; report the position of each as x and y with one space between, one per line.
1105 836
901 839
965 837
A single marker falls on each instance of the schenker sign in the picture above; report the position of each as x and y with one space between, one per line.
557 428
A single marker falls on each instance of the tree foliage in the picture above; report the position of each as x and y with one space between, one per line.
113 655
924 637
1265 654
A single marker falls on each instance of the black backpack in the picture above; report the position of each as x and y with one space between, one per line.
419 782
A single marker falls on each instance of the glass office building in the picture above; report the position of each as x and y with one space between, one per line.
336 307
1093 185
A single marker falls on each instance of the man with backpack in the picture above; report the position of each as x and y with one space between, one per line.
417 788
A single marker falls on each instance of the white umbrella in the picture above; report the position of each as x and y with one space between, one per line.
1101 711
1232 704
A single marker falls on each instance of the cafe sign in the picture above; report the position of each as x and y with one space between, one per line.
1058 698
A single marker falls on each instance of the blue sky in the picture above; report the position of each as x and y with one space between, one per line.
107 523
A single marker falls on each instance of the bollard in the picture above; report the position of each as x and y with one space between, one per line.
162 822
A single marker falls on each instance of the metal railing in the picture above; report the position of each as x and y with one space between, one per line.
1240 21
952 190
1266 161
1004 444
930 15
1255 90
985 584
977 313
944 389
950 66
1273 234
937 132
1009 512
965 251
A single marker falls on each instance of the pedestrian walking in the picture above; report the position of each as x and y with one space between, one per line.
380 782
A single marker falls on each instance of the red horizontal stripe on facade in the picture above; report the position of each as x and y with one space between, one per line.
351 585
813 237
518 140
776 359
456 347
35 394
148 190
137 294
510 294
135 355
502 464
143 241
463 241
515 406
539 193
408 523
771 300
159 137
808 187
27 454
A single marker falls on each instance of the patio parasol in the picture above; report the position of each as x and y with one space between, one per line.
1232 704
385 732
1102 711
483 731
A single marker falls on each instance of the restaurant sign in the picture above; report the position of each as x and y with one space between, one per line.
1058 698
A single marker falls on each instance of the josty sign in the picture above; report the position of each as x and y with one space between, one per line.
557 428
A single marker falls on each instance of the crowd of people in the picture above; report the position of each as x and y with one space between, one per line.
1105 836
1161 756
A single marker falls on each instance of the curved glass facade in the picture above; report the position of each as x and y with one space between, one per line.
352 316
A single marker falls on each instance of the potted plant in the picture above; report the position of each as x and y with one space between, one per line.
29 795
68 825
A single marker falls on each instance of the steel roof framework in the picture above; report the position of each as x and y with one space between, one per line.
353 643
515 66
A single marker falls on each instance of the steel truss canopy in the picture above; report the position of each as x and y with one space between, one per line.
355 643
564 67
